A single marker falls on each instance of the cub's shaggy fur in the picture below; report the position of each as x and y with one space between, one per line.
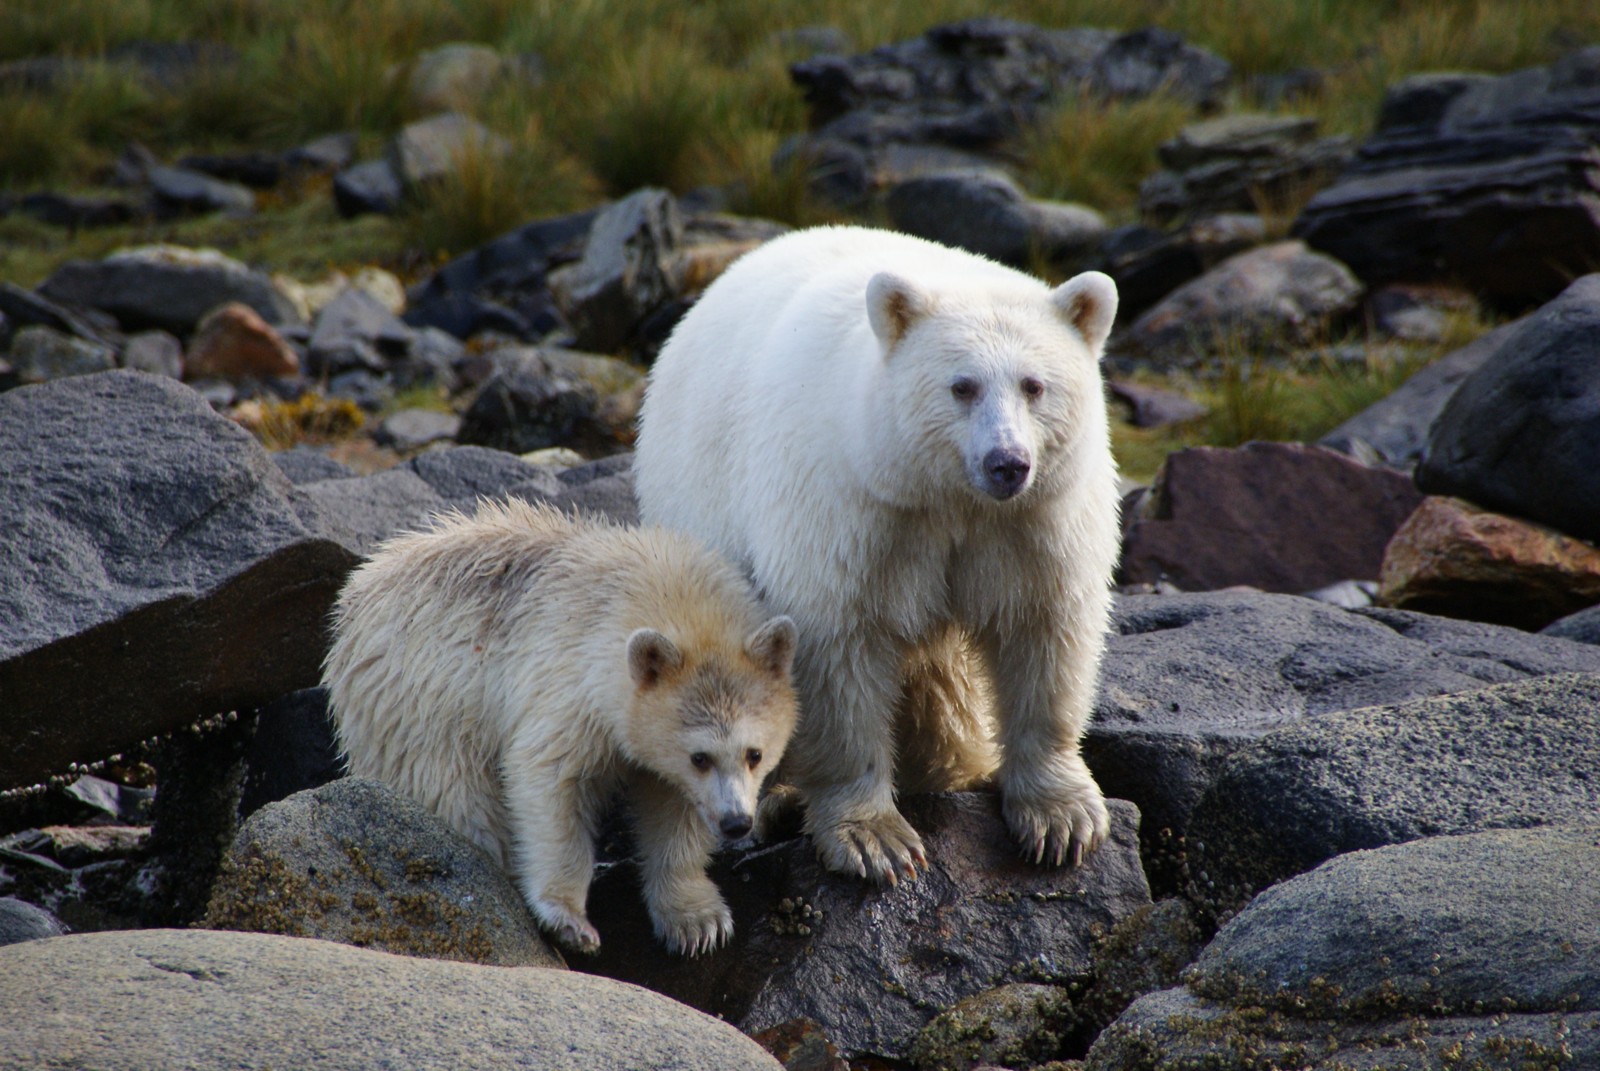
513 668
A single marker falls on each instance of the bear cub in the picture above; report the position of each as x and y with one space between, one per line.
514 668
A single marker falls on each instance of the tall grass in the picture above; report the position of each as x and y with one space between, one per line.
1098 153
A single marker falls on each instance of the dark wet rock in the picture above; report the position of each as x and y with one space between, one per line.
1148 263
39 354
211 1000
370 187
24 307
432 357
356 331
624 273
528 406
178 191
293 750
358 863
1508 756
501 286
1153 407
22 921
1258 515
1242 162
149 534
1395 430
74 212
256 170
1275 296
1452 558
1521 435
876 964
1188 680
169 287
1143 953
986 213
956 94
1457 951
1486 181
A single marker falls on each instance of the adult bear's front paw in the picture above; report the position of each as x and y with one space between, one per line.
881 847
1060 826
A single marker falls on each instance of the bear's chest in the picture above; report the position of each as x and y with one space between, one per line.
925 575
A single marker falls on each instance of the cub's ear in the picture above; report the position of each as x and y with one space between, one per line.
1088 303
651 656
894 303
772 645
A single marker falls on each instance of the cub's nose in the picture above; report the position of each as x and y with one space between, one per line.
1006 471
735 826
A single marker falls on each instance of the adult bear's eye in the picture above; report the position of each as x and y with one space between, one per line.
964 390
700 761
753 757
1033 388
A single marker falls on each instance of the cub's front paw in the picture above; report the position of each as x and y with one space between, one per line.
569 928
691 929
1061 827
881 847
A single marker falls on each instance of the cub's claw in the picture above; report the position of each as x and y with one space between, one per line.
569 929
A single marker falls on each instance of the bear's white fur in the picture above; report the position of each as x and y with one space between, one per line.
510 670
905 446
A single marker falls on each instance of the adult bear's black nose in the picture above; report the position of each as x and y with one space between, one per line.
735 826
1006 471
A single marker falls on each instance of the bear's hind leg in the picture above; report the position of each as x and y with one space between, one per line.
687 911
944 722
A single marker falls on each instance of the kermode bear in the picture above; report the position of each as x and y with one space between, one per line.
510 670
905 447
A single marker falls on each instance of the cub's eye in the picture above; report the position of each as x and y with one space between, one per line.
964 390
1033 388
700 761
753 757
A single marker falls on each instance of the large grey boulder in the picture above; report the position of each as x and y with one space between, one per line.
1476 951
155 568
1280 295
1521 435
1487 181
170 287
358 863
208 1001
1188 680
1513 755
871 966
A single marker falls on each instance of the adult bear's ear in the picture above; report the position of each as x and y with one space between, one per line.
894 303
1088 302
651 656
772 645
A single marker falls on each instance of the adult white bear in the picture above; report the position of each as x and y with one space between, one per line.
905 446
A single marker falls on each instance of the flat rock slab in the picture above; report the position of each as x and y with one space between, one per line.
202 1000
1469 951
878 964
1276 516
155 568
1190 679
1514 755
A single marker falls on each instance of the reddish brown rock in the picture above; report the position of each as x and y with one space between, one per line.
1454 559
234 342
1281 517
